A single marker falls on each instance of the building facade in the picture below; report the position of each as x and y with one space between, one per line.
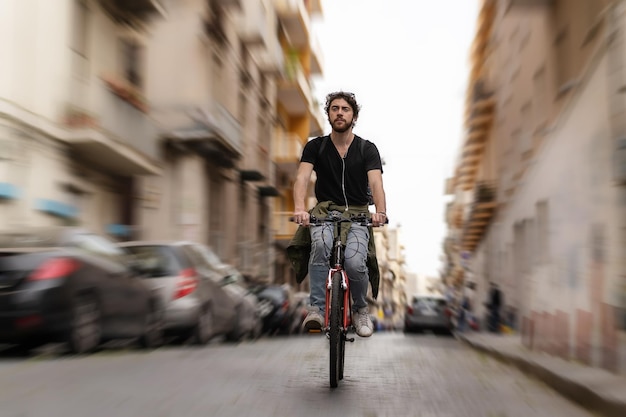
538 194
158 119
165 120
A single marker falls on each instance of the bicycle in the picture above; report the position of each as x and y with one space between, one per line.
337 314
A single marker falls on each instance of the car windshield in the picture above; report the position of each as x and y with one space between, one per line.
154 261
209 256
95 244
428 303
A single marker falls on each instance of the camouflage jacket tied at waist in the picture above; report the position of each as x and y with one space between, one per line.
299 248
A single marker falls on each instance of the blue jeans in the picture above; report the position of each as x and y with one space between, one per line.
355 263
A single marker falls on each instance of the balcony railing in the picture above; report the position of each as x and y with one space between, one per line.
252 24
294 91
295 20
224 125
257 164
287 147
111 129
480 214
127 122
271 59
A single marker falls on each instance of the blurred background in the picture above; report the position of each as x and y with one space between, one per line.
164 122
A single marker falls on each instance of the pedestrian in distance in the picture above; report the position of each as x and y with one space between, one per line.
493 307
348 172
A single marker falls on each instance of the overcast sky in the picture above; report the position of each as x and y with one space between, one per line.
407 61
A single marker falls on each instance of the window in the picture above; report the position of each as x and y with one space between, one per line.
131 62
154 261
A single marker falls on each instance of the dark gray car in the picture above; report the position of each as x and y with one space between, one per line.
65 284
428 312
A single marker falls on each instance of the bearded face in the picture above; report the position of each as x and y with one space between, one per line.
340 115
341 125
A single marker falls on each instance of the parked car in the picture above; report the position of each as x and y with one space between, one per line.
248 322
428 312
196 304
65 284
281 317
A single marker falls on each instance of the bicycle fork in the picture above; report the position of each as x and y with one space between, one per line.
345 287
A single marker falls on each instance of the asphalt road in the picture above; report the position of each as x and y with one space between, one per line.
389 374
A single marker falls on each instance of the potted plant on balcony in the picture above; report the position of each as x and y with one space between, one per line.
126 91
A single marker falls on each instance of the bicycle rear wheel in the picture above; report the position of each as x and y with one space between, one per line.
336 339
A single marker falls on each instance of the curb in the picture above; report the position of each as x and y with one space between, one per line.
578 388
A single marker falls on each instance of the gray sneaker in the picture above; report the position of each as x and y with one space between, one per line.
363 323
313 321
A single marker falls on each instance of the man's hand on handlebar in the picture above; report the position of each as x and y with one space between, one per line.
379 219
302 218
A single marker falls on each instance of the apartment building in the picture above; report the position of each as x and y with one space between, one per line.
157 119
212 69
538 189
72 141
299 117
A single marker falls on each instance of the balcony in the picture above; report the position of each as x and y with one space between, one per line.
210 130
283 228
271 60
480 214
295 19
252 24
294 91
287 150
128 11
115 134
256 165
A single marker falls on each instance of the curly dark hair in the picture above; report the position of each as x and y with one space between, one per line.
349 97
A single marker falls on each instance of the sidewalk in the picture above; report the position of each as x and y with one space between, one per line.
593 388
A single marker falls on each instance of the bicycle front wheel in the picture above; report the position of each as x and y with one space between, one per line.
336 315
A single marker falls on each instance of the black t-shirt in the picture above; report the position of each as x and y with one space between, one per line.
336 174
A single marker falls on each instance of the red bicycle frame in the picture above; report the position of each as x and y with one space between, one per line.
345 285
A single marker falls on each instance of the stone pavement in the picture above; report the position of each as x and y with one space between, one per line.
596 389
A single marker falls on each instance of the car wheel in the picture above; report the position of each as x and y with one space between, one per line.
204 327
153 330
25 347
85 331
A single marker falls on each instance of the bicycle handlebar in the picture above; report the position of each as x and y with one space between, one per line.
360 219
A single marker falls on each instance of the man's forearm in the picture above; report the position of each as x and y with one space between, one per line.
299 197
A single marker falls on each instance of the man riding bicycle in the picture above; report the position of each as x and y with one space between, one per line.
347 167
